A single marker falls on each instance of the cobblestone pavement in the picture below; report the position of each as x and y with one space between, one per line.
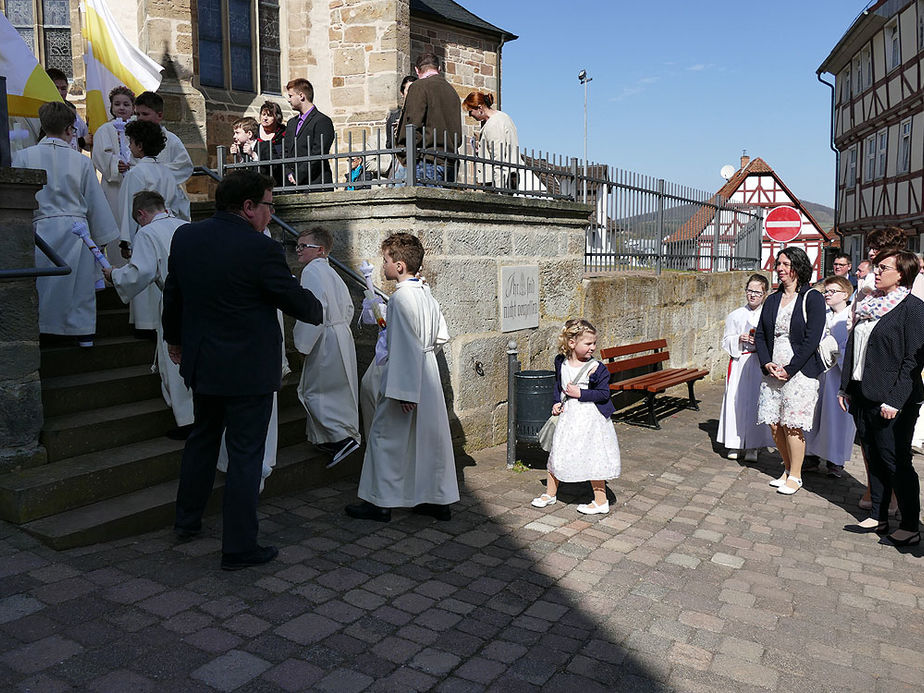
700 578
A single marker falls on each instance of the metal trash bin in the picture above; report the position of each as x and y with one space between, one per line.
535 394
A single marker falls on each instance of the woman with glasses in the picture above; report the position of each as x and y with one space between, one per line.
790 327
881 386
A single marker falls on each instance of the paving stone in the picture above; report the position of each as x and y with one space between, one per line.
16 606
40 655
230 671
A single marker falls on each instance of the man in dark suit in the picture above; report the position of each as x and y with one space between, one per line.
436 109
225 281
309 132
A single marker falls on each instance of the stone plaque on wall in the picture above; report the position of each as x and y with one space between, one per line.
519 297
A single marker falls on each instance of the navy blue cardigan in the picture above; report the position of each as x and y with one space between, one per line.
598 390
804 338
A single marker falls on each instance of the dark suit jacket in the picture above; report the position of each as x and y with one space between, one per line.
598 388
804 338
272 149
224 284
317 129
894 356
433 104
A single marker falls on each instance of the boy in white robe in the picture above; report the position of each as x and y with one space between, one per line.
328 386
150 107
409 460
148 269
67 304
145 141
739 431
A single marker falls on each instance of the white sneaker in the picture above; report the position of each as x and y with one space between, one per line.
594 509
732 455
543 500
787 490
776 483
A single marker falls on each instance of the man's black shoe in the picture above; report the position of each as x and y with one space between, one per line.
440 512
185 534
246 559
367 511
179 433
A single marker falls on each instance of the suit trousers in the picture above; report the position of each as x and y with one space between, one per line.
887 446
244 421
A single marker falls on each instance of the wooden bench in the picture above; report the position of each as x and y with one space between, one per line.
653 382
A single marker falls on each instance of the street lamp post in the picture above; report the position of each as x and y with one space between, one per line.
584 79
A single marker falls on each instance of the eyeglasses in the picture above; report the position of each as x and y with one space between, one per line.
272 207
842 264
751 292
302 246
831 292
879 269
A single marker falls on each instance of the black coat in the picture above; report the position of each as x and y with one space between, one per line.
803 338
272 149
317 130
224 283
894 357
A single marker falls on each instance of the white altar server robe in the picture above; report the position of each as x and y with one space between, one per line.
67 304
328 387
147 269
175 157
147 174
105 155
409 458
738 427
833 430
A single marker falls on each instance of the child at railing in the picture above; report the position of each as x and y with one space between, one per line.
244 136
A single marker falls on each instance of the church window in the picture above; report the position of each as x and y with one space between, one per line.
239 45
45 26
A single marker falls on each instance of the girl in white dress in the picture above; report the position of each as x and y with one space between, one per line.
584 447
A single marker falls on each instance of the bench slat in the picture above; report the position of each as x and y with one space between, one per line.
661 384
630 383
624 350
637 362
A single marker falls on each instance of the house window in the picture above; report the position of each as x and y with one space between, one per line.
45 26
869 150
882 153
866 59
239 44
921 24
852 167
904 146
845 88
857 76
893 45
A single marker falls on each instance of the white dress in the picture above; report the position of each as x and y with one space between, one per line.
833 430
584 447
147 270
107 150
67 304
328 387
175 157
790 403
409 458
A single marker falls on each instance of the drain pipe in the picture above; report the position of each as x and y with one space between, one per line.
837 163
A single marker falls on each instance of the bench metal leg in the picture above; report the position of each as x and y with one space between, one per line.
693 405
652 420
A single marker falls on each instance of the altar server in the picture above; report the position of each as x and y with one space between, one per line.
739 431
67 304
328 387
409 459
150 107
111 155
147 269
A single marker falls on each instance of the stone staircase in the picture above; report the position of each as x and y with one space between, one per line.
110 471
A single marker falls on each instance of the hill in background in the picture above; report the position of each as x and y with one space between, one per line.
823 215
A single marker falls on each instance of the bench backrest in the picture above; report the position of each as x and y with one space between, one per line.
658 346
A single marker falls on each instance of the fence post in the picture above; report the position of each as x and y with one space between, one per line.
720 207
660 226
411 171
574 177
512 367
6 159
220 153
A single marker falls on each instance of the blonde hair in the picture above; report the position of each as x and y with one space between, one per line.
572 330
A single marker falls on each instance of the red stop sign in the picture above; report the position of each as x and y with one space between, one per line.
783 224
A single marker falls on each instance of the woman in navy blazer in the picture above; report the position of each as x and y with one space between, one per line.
790 362
881 381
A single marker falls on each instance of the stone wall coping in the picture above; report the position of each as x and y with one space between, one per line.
23 176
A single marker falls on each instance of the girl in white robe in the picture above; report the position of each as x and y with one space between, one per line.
738 427
111 155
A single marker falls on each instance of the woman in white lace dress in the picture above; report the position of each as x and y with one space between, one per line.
790 328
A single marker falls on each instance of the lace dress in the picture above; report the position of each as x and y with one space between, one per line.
791 402
584 447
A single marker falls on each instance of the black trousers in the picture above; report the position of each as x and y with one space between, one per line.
244 421
887 445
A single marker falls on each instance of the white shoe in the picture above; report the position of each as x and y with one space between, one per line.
594 509
544 500
732 455
787 490
776 483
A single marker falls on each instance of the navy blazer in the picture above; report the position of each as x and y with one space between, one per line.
316 129
598 390
894 357
803 338
224 283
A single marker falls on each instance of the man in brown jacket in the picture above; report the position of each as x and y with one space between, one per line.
436 109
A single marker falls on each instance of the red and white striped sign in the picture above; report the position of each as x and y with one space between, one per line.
783 223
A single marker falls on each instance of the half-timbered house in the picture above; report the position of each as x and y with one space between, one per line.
878 121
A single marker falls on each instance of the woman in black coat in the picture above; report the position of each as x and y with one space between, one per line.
791 325
881 387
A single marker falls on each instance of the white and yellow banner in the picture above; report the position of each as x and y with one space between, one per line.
111 61
27 85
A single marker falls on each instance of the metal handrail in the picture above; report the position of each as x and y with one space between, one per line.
60 268
355 276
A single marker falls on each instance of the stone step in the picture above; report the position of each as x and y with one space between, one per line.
84 479
108 299
68 394
113 322
108 352
298 467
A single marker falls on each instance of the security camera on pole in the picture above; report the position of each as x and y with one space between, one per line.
584 79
